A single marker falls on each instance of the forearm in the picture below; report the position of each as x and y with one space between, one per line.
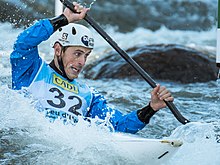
134 121
59 22
145 114
128 123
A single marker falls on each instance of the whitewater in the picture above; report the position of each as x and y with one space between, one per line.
28 138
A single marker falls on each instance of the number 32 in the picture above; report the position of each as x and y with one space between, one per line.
62 103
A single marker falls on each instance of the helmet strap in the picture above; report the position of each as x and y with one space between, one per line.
61 67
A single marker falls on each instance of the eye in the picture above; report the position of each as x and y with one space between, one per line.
86 55
77 54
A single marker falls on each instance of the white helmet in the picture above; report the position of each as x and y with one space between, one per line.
74 35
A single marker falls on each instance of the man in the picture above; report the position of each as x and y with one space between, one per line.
55 85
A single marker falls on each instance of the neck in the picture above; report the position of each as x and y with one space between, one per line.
59 68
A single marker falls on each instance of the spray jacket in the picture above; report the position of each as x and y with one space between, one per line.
60 98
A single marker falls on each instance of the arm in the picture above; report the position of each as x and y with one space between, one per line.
134 121
129 123
25 59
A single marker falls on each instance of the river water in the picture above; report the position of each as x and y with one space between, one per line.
27 138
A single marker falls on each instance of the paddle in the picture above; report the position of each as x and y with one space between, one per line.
146 77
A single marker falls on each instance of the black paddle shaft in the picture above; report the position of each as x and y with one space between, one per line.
143 74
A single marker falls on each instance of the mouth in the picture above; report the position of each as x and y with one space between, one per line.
75 70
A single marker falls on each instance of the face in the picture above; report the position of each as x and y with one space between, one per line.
74 59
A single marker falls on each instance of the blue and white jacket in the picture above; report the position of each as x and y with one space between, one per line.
59 97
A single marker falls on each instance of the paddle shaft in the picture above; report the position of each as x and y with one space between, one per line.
143 74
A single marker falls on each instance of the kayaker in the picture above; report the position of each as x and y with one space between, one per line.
61 95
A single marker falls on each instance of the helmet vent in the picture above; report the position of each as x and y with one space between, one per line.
73 31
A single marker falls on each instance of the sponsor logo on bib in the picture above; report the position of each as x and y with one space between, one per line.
64 84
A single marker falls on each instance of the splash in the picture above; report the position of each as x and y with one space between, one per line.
201 143
86 3
26 136
194 131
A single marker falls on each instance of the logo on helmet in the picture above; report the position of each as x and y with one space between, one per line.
87 41
64 36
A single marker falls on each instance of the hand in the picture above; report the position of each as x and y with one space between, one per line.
80 13
158 95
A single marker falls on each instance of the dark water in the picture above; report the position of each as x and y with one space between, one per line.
126 15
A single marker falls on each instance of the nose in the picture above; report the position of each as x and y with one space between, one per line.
81 60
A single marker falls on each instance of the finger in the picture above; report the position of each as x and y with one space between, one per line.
82 14
76 7
162 89
79 8
167 97
163 94
85 10
155 91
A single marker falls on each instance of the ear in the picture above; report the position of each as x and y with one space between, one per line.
57 49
